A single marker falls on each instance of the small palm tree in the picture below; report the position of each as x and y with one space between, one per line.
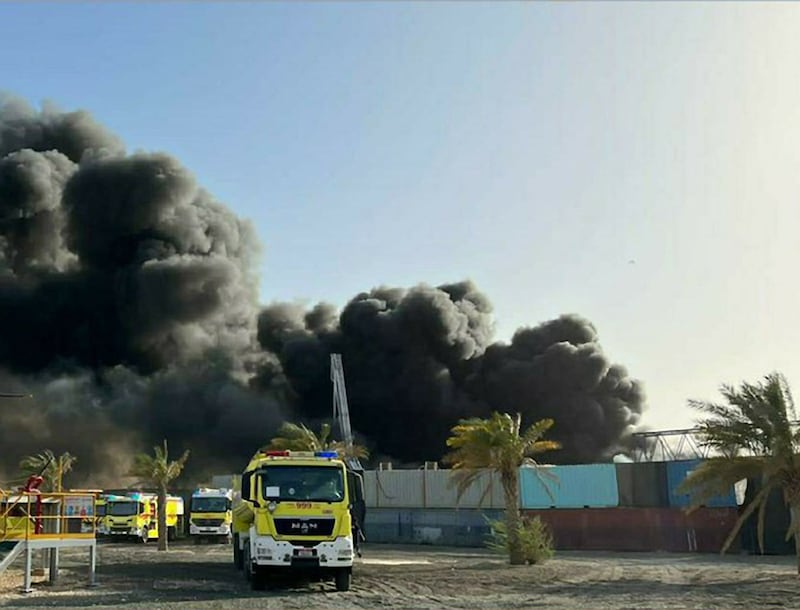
297 437
52 468
756 437
156 470
496 443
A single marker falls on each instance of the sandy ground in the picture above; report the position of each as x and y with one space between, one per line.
189 576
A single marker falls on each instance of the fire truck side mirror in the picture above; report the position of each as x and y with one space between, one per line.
247 482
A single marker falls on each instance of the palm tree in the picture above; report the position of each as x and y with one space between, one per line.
756 437
156 470
496 443
297 437
51 468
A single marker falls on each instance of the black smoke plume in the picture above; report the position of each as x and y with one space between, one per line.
128 309
128 301
418 360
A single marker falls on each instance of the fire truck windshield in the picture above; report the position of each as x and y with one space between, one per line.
210 505
122 509
303 483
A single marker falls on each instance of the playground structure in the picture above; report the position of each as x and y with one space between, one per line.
31 520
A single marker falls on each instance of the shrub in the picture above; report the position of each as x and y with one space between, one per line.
534 536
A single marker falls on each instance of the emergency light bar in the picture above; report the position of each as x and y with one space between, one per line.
287 453
326 454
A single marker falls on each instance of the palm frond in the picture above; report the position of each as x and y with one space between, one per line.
157 469
760 497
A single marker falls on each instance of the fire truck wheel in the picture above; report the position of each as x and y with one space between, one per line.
343 577
237 554
258 580
145 535
246 564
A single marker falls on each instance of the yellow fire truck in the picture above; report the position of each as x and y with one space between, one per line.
293 516
136 516
210 514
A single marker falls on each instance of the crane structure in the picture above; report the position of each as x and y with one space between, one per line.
341 410
668 445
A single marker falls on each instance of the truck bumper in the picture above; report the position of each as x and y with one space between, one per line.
265 552
221 530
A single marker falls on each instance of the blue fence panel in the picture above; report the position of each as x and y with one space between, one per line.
589 485
677 472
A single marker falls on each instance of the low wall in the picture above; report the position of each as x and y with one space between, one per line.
589 529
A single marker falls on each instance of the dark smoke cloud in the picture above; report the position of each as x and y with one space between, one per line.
121 281
74 134
558 370
128 307
418 360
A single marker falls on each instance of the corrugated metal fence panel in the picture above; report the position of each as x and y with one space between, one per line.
639 529
498 496
591 485
642 485
677 472
398 489
441 491
429 489
370 488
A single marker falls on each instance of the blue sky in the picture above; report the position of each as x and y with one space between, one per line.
535 148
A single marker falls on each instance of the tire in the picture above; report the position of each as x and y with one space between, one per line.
145 537
238 561
343 578
172 534
258 580
246 564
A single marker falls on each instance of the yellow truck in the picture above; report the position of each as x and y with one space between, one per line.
292 516
100 508
135 515
210 514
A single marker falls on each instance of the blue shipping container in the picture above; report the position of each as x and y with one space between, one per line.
589 485
677 472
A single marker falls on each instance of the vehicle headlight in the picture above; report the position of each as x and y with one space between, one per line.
263 552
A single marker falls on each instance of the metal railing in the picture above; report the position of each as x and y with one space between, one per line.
34 515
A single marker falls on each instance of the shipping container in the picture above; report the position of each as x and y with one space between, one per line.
642 485
639 529
678 471
589 485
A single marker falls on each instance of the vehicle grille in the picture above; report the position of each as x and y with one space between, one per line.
207 522
309 544
304 527
120 528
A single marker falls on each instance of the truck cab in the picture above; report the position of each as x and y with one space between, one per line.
210 514
293 516
136 516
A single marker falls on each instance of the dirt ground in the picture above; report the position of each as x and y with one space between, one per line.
189 577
